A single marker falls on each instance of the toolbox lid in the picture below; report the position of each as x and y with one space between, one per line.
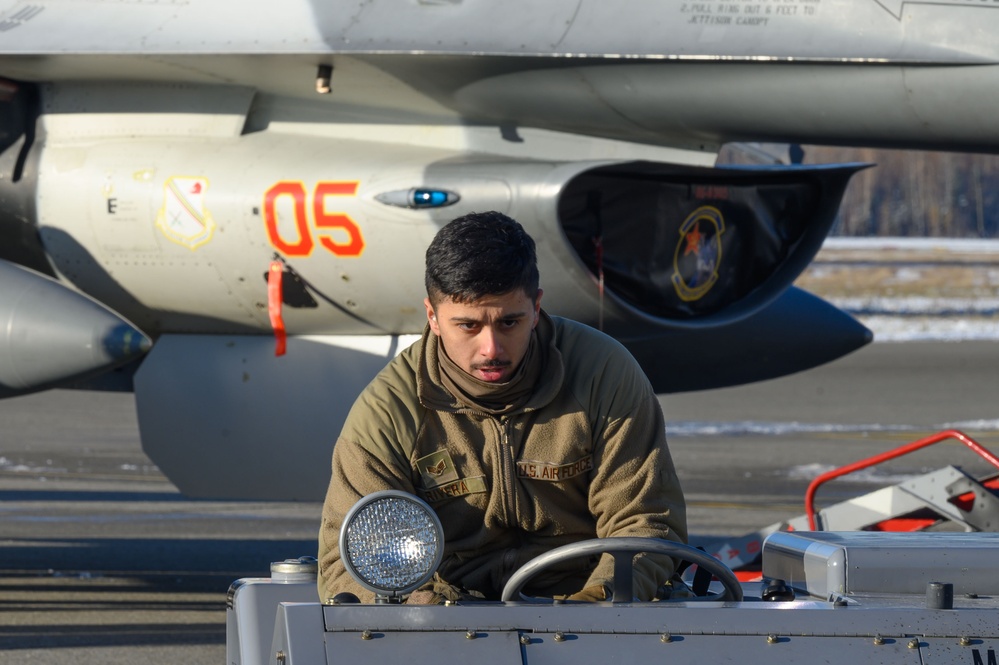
860 562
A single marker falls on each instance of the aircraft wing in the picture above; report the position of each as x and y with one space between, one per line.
697 74
167 162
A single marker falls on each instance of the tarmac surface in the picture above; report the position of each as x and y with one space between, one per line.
102 560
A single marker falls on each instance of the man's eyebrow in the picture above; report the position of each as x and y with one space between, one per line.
472 319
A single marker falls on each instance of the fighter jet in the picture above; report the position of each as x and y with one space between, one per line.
224 207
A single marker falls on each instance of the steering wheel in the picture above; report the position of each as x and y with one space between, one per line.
624 550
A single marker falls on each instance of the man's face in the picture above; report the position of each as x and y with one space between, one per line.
489 337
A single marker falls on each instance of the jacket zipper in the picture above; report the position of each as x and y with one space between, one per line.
508 476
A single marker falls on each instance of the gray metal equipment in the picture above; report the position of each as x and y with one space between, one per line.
835 597
251 603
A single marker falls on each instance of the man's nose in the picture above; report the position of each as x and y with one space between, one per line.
489 343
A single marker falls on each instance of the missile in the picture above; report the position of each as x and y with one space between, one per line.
50 334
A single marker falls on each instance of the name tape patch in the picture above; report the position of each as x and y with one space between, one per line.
553 472
460 487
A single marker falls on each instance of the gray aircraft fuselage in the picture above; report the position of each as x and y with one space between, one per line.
157 158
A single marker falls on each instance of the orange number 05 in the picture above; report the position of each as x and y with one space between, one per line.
324 221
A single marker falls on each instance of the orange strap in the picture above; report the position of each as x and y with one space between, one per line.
274 300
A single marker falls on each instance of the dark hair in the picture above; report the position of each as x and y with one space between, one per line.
481 254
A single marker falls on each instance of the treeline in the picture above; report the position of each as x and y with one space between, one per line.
914 193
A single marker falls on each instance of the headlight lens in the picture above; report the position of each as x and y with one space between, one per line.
391 542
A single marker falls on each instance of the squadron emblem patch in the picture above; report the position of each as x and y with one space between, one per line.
698 254
183 218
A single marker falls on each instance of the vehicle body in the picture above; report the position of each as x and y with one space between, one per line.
867 594
850 597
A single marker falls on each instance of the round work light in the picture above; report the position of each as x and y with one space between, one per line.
391 542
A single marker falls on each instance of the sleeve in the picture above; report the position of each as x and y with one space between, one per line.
635 491
367 458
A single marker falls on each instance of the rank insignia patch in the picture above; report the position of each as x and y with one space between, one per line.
436 469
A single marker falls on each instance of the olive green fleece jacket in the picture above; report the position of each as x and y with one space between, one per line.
585 457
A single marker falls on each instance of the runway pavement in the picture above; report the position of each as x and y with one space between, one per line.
102 561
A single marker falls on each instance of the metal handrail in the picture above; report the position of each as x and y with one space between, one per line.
976 447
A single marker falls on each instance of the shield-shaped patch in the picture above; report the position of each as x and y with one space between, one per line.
183 218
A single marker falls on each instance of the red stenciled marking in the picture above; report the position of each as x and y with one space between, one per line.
303 244
354 244
336 231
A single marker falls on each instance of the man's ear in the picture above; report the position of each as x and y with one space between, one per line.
432 317
537 308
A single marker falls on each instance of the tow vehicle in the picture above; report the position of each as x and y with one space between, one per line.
863 596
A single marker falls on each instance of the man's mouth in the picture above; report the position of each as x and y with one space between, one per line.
493 372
